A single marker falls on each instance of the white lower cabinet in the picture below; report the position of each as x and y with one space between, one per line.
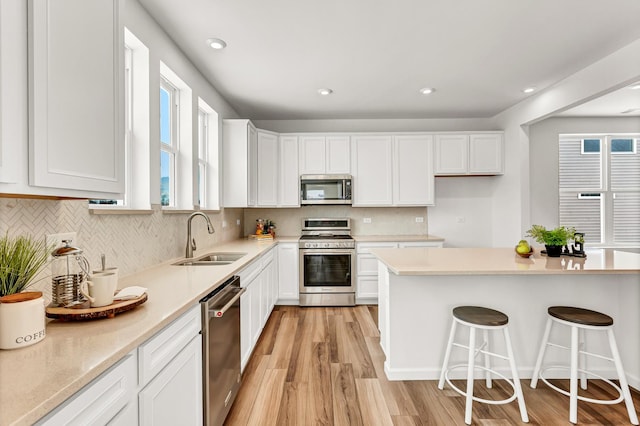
102 400
288 275
174 396
158 383
367 270
257 302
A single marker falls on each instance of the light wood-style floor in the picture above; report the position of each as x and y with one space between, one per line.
324 366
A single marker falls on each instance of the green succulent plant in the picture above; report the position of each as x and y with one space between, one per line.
559 236
21 258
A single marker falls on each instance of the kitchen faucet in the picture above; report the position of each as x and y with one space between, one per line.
191 242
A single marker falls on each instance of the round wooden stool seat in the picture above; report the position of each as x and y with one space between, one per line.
479 315
580 316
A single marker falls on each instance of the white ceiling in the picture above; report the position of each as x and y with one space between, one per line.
377 54
620 103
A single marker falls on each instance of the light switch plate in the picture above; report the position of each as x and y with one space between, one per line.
419 219
366 220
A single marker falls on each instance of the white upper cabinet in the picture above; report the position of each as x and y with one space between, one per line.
371 167
289 193
268 170
324 155
337 154
260 168
486 154
469 154
76 116
392 170
451 154
413 183
239 168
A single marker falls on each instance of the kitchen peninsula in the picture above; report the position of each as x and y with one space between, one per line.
418 288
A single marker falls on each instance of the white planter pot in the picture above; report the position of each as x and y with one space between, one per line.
22 323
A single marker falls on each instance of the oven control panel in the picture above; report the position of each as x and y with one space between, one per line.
327 245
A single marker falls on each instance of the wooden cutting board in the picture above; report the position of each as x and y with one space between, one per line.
109 311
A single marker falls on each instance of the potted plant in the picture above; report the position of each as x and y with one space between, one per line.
22 320
554 239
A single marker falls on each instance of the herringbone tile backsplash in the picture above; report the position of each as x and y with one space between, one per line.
130 242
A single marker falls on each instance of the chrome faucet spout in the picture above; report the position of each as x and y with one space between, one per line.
191 242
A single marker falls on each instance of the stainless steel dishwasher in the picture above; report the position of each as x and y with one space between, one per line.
221 350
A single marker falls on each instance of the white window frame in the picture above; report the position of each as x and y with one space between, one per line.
606 193
136 139
182 188
172 147
208 169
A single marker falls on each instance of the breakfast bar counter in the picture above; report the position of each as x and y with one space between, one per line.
418 288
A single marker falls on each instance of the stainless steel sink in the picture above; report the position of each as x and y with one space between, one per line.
212 259
221 257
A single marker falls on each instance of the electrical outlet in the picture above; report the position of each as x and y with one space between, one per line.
238 222
419 219
54 241
224 224
366 220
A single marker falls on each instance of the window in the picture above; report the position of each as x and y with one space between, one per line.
136 126
177 143
208 171
599 188
168 141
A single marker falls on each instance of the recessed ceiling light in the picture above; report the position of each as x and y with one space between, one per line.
325 92
216 43
529 89
427 90
635 86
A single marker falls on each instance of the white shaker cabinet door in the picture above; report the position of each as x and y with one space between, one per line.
486 154
338 155
76 113
413 183
451 154
267 166
371 159
289 192
288 276
312 155
174 396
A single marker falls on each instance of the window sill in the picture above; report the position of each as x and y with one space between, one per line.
118 211
166 210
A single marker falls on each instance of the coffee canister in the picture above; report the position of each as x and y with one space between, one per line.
22 319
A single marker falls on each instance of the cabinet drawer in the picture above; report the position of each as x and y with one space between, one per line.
267 258
367 287
366 247
157 352
248 274
101 400
367 265
436 244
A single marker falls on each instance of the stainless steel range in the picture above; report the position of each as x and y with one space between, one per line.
327 263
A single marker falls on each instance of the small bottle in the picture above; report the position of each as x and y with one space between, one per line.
259 226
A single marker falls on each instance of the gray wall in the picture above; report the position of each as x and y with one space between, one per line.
543 157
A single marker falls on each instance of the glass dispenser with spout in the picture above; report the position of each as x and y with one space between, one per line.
69 270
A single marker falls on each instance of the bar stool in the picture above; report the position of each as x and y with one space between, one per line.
485 319
581 320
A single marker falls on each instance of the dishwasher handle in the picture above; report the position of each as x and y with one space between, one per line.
216 312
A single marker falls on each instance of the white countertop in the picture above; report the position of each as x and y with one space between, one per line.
396 238
36 379
503 261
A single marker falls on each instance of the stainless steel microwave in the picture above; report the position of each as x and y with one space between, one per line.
325 189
